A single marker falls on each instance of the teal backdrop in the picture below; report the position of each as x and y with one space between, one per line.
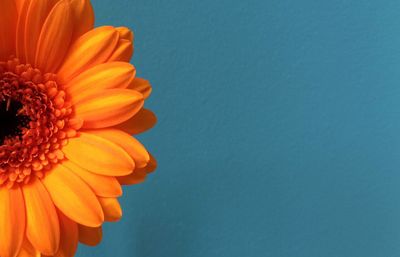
278 131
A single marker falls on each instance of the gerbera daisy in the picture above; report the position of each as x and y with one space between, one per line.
69 105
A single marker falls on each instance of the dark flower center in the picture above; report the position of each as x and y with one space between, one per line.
11 121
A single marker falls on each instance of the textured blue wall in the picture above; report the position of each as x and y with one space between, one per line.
278 129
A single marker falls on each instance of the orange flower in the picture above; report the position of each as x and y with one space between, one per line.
69 103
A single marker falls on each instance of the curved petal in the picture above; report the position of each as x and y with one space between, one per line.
136 177
152 165
141 85
111 208
105 186
19 4
8 21
139 175
27 250
22 6
91 49
12 221
31 20
125 33
123 52
131 145
98 155
55 37
69 237
141 122
90 236
124 49
73 197
83 17
103 76
42 225
108 107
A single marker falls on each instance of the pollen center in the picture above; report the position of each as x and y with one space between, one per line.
11 120
34 122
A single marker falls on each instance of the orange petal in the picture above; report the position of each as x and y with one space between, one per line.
55 37
8 21
42 225
83 17
98 155
111 208
123 52
141 122
139 175
152 165
69 237
12 221
108 107
30 25
19 4
90 236
125 33
136 177
22 7
141 85
124 49
105 186
27 250
103 76
131 145
73 197
92 48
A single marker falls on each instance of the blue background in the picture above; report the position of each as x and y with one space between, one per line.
278 130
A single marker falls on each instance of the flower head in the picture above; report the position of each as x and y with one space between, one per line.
69 104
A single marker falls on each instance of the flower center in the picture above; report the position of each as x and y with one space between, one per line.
12 121
35 122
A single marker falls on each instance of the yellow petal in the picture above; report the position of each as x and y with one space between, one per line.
8 21
111 208
73 197
91 49
131 145
12 221
98 155
104 186
42 225
141 85
55 37
108 107
90 236
69 237
141 122
102 76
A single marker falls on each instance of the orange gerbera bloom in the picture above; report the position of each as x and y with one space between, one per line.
69 103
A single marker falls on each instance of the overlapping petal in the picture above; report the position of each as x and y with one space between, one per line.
73 197
42 229
99 155
12 221
106 108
